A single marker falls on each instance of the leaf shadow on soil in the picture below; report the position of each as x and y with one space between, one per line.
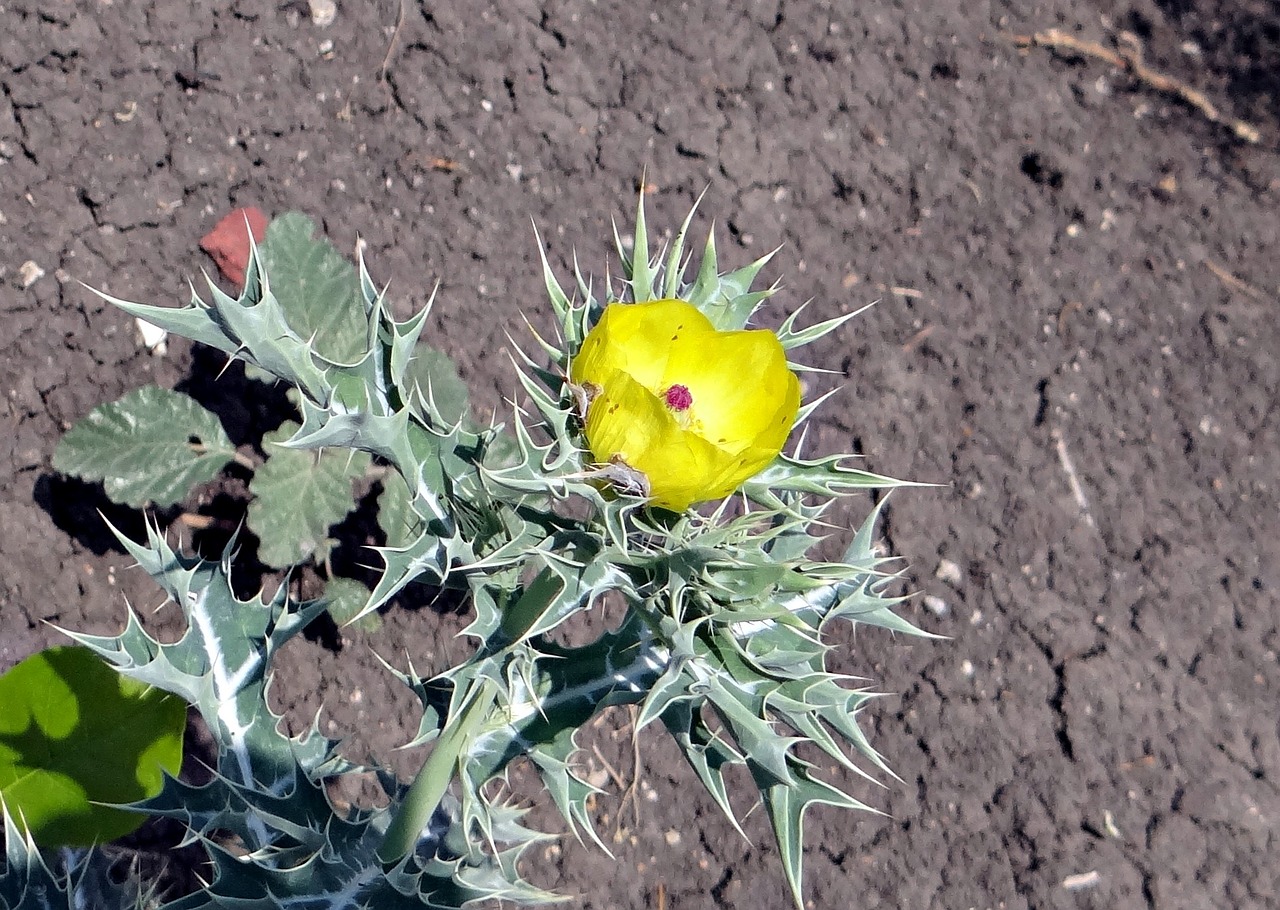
82 511
247 409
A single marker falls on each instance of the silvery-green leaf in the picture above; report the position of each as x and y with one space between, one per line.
151 446
69 878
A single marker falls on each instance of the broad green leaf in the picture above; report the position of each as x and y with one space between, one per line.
74 734
298 494
317 287
345 598
151 446
437 379
396 517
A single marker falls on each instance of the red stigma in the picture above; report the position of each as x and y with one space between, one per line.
679 398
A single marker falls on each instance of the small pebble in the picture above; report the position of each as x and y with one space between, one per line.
936 605
673 838
323 12
30 273
966 667
949 572
1081 881
153 337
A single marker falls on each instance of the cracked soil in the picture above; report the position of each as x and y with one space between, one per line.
1077 337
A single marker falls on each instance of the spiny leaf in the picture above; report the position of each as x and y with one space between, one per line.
706 752
69 879
251 328
793 338
151 446
830 477
673 279
639 273
787 803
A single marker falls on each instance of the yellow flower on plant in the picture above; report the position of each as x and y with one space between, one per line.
694 410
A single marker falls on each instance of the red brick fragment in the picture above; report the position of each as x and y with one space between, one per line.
228 242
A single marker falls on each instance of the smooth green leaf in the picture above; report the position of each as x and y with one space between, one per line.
298 495
317 287
151 446
74 734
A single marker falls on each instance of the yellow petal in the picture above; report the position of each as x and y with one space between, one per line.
739 381
636 338
629 423
743 399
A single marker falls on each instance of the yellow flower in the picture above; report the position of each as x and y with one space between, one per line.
695 410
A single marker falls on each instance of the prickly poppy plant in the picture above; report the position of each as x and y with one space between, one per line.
687 411
649 400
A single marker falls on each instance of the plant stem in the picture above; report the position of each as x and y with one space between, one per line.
245 461
429 787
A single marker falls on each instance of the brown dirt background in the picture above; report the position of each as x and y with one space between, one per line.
1073 270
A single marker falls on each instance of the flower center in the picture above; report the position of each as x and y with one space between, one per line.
679 398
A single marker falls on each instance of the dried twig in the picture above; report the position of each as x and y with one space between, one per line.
918 338
1130 60
197 522
1233 282
1073 479
608 768
632 793
391 46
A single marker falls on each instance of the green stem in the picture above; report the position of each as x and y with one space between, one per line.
433 780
